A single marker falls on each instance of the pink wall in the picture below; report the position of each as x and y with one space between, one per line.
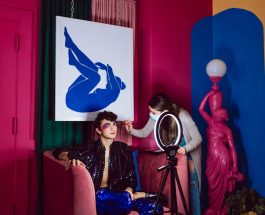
164 50
25 153
162 54
34 7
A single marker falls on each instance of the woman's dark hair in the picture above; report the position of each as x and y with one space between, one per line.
162 102
107 115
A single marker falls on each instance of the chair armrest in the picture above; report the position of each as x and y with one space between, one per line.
66 192
84 192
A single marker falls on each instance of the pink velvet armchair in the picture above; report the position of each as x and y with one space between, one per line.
72 192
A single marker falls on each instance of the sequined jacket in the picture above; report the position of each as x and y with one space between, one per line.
121 168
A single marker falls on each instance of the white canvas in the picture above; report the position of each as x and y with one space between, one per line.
85 53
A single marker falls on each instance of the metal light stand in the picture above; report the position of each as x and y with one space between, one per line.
171 168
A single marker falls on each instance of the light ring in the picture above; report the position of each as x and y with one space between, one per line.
158 140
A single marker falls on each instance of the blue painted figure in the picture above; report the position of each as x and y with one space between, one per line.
82 96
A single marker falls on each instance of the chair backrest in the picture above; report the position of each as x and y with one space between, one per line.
66 192
56 198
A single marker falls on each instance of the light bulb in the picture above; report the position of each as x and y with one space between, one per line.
216 68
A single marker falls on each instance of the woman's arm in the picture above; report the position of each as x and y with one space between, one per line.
112 83
145 131
202 111
192 130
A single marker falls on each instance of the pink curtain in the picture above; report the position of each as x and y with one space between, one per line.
116 12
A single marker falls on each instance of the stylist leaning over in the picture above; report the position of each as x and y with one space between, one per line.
190 144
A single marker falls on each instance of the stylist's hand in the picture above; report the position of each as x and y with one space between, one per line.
128 125
182 150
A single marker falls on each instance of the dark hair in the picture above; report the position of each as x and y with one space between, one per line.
107 115
162 102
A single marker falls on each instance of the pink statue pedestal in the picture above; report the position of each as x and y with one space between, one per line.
221 164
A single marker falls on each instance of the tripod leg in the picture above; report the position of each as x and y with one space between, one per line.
174 205
181 191
161 187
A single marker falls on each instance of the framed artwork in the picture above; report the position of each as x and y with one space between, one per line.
94 70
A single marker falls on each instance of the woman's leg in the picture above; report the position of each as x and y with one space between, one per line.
86 72
194 192
82 58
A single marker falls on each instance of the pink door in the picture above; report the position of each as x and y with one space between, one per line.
17 93
8 83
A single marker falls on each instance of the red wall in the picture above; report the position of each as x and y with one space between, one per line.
163 40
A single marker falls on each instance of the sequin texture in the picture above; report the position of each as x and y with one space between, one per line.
121 168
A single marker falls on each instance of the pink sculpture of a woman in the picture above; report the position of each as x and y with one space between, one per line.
221 164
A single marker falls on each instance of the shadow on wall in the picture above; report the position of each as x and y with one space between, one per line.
236 37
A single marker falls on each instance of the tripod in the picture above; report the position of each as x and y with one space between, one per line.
171 167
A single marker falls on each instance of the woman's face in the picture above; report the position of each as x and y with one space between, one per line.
154 111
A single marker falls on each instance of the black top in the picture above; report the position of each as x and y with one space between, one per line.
121 168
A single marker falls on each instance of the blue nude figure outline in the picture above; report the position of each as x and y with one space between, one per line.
80 96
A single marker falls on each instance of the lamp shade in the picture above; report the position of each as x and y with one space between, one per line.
216 68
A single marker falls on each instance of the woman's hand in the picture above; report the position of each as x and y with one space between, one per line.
182 151
128 125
